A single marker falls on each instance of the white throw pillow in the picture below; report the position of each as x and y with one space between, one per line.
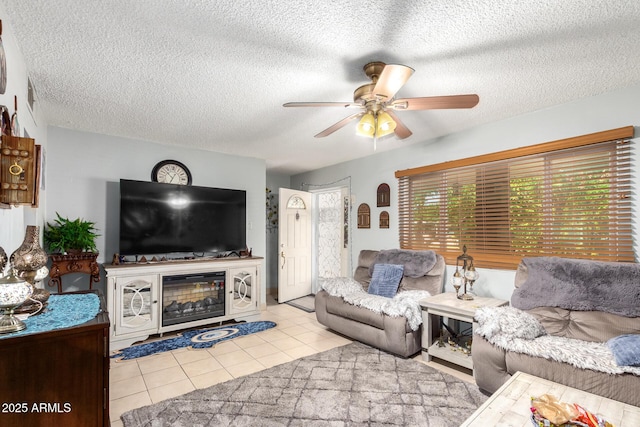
507 321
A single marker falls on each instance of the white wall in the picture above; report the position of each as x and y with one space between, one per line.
13 221
595 114
84 170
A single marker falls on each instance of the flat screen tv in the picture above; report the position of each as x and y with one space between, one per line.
157 218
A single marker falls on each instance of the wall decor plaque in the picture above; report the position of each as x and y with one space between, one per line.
17 170
384 219
384 195
364 216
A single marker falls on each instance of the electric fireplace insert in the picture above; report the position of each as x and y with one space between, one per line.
190 297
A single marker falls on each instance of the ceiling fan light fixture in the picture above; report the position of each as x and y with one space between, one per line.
366 125
386 124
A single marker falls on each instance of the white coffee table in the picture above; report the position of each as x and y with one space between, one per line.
448 305
510 404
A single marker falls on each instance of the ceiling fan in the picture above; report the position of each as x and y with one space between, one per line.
378 105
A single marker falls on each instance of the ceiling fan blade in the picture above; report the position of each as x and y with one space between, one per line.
436 102
401 130
321 104
392 78
331 129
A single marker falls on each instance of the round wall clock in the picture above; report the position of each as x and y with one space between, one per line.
171 172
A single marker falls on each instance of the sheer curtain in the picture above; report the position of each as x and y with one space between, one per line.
331 222
330 242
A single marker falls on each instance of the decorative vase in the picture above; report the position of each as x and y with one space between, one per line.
29 256
3 260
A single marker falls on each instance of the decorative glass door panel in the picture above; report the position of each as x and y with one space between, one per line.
137 308
243 290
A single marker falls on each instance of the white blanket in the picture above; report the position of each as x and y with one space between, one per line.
595 356
405 303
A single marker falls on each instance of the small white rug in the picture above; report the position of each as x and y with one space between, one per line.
306 303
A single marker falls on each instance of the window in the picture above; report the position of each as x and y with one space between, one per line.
568 198
296 202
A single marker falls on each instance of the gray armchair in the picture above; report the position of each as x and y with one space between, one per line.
392 334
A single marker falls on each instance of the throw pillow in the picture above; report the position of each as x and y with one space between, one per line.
340 286
385 279
507 321
625 349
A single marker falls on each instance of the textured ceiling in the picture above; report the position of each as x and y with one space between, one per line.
213 75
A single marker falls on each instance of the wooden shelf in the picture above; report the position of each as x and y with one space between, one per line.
449 354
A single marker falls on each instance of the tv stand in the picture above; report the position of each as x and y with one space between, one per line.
135 295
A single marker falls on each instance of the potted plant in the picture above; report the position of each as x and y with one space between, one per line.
72 244
70 236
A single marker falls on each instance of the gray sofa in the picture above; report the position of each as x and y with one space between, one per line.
392 334
599 304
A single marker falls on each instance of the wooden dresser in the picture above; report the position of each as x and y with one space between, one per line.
59 377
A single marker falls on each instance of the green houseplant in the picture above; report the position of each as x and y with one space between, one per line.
70 236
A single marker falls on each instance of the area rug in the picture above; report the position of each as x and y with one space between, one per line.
306 303
353 385
197 338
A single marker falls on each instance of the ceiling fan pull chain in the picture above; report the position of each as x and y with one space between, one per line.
375 132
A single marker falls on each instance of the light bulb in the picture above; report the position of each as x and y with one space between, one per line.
366 125
386 124
456 280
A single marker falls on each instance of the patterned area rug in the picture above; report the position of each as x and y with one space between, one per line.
197 338
306 303
350 385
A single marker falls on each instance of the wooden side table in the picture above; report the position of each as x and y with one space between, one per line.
84 262
448 305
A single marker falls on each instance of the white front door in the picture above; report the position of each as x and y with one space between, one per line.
294 244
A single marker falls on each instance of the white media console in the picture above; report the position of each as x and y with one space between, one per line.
154 298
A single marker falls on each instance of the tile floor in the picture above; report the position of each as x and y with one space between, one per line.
140 382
